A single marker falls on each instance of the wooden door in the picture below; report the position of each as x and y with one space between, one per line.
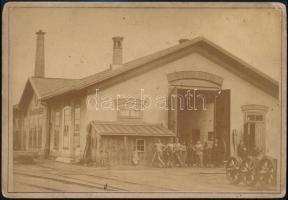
254 137
222 120
173 110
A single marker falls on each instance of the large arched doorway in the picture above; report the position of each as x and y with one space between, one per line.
198 108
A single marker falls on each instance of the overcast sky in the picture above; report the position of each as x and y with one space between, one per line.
78 41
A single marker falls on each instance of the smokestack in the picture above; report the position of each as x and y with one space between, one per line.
117 51
40 58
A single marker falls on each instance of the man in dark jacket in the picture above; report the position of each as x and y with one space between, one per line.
190 153
216 153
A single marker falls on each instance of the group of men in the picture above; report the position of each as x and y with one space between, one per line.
176 154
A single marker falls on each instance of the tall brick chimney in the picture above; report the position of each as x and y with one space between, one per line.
117 58
39 70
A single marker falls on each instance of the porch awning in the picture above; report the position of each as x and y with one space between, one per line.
131 129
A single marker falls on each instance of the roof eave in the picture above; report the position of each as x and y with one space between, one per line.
270 86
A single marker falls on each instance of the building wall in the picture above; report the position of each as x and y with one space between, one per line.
58 105
17 126
35 114
155 84
120 149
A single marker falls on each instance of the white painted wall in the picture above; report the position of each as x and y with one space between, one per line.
155 83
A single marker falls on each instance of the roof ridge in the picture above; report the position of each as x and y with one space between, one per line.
125 66
188 43
144 60
239 60
106 70
34 77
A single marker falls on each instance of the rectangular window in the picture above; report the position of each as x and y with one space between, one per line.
135 114
30 138
30 144
255 118
56 139
129 108
35 131
77 126
16 124
259 117
39 137
56 130
254 131
39 131
67 124
210 136
140 145
57 118
77 120
34 138
251 117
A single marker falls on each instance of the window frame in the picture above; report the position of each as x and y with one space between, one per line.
56 131
66 130
255 114
35 100
121 105
256 110
76 133
210 136
144 144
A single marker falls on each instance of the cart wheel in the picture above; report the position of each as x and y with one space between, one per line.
266 172
232 171
248 172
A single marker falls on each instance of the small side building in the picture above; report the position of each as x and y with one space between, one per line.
118 140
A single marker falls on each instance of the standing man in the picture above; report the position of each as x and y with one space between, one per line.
206 155
135 157
190 153
199 153
158 153
216 153
169 151
177 152
184 153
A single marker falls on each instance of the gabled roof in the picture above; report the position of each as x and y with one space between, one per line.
199 44
44 86
130 129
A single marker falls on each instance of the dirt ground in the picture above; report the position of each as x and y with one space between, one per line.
51 176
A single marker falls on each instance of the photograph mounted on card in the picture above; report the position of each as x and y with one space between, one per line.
150 100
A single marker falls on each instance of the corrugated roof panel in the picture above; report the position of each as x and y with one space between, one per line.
116 128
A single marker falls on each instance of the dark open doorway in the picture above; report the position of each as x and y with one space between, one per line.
203 120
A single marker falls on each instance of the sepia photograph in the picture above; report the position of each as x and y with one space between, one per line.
157 100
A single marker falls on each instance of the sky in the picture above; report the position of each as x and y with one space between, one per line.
78 41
